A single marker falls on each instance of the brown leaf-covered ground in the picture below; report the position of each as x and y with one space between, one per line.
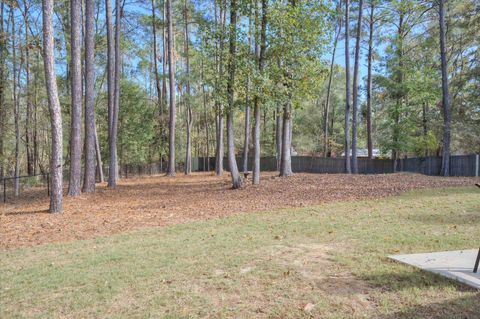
160 200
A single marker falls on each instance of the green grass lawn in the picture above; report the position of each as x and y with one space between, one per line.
326 261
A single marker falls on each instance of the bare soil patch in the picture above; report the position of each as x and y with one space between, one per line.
160 200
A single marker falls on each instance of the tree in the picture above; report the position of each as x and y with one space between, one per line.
74 187
232 162
171 76
445 171
347 87
3 111
371 23
261 64
16 104
90 130
111 92
189 117
56 172
355 88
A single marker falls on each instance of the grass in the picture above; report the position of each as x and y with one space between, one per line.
325 261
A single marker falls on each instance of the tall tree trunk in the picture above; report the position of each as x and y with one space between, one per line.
261 63
56 172
99 156
171 75
74 188
369 82
347 87
3 48
189 118
207 135
16 105
286 163
246 139
338 29
29 114
219 152
110 81
355 88
232 162
90 131
278 136
447 117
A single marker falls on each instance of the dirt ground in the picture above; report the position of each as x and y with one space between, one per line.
159 200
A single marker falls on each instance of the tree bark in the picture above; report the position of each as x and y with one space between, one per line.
110 80
278 136
171 75
369 82
207 135
261 63
189 117
16 104
347 87
74 185
56 172
219 152
3 111
329 87
286 163
90 130
232 162
99 157
29 113
355 88
445 171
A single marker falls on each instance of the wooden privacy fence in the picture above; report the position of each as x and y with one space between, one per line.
461 165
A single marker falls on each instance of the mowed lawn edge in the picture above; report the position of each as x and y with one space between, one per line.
324 261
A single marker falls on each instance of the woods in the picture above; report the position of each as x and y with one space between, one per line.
166 81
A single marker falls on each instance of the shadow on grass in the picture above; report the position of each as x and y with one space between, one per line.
454 218
415 278
465 308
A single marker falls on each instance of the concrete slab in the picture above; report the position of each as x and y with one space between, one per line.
456 265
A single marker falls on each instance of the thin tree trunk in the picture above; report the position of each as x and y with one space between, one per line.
232 162
261 62
28 119
338 29
445 171
99 156
189 118
56 172
369 82
219 152
278 136
347 87
74 188
355 88
171 75
110 79
246 140
90 130
207 135
16 105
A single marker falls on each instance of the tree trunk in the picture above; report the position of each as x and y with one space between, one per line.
278 136
347 87
246 140
219 152
189 118
232 162
207 135
3 111
90 130
261 63
338 29
355 88
445 171
99 156
16 105
171 75
110 81
29 114
74 188
56 172
286 163
369 82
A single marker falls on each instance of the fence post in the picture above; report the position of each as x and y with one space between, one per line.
48 184
477 164
4 190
